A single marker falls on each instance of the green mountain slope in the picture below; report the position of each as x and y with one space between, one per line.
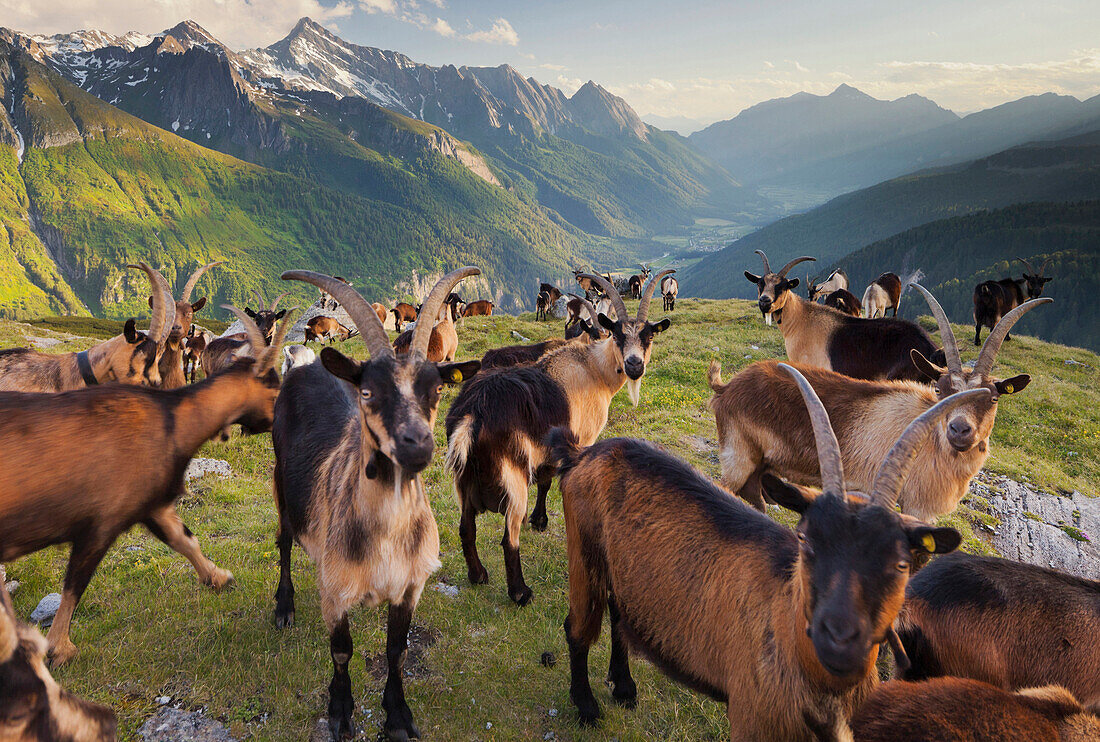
1068 170
957 254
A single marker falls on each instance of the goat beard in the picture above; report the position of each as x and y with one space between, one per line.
768 319
634 390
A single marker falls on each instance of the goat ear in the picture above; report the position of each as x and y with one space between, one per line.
1013 385
925 366
150 302
606 322
787 495
250 313
752 278
791 284
280 314
199 304
456 373
131 333
661 326
1047 279
342 367
933 540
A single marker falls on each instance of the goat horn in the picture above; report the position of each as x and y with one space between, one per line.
422 333
278 298
255 338
1043 267
950 344
589 307
194 279
992 345
793 263
612 293
828 449
270 355
260 298
647 293
895 467
361 312
767 265
161 321
1030 268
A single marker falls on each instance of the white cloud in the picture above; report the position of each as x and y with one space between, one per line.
378 6
443 28
501 32
569 84
552 67
438 3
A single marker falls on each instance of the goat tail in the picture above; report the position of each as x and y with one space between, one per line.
459 443
714 376
564 449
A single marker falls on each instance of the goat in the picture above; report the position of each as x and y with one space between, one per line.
762 428
327 298
821 336
115 456
994 299
193 346
670 287
443 342
380 310
837 280
222 352
521 355
845 301
33 708
783 628
129 358
590 287
351 439
551 291
635 282
958 709
171 363
496 426
883 293
296 355
578 325
542 306
1002 622
322 328
403 312
479 308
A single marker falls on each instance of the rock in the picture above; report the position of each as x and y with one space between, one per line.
176 725
11 587
520 338
163 700
47 608
451 591
201 467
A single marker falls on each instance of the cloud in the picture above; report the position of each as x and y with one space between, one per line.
552 67
501 32
378 6
569 85
443 28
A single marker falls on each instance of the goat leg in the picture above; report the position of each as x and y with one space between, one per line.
284 594
399 725
538 517
580 689
86 555
166 525
467 533
340 702
518 590
623 689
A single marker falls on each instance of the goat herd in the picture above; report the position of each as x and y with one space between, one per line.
869 432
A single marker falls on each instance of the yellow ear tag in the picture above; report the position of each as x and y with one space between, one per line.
456 375
1009 389
929 543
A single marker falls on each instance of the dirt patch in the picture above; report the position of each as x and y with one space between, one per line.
421 639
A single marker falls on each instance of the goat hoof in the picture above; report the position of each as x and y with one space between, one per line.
539 521
521 596
62 653
478 576
284 621
625 694
220 579
588 712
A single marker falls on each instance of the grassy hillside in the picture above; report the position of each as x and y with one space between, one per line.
957 254
1061 171
147 629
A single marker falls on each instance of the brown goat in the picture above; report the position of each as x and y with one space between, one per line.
783 628
380 310
33 708
222 352
193 346
402 313
520 355
114 456
443 342
954 709
479 308
845 301
881 294
1002 622
172 374
327 328
763 428
994 299
129 358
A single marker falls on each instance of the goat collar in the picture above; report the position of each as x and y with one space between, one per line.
778 315
85 367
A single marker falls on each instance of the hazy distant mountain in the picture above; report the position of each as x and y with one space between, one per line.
680 124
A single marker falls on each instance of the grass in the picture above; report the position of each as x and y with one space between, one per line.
146 628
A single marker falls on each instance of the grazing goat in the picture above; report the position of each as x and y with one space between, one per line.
351 439
322 328
635 282
114 456
497 425
129 358
296 355
821 336
33 708
222 352
670 287
783 628
837 280
994 299
542 306
327 298
883 293
845 301
951 709
403 312
172 374
443 343
762 427
479 308
1009 624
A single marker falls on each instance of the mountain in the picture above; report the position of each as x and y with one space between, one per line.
956 254
86 188
682 125
1061 171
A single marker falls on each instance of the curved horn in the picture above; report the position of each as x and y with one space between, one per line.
361 313
895 467
255 338
194 279
588 306
260 298
992 345
767 265
612 294
278 298
793 263
422 333
828 449
271 354
647 293
1027 265
161 321
950 344
1043 267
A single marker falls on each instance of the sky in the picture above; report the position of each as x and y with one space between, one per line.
696 59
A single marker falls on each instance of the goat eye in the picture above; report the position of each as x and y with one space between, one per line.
365 394
903 566
439 389
802 537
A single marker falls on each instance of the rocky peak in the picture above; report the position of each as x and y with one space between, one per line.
188 33
600 112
